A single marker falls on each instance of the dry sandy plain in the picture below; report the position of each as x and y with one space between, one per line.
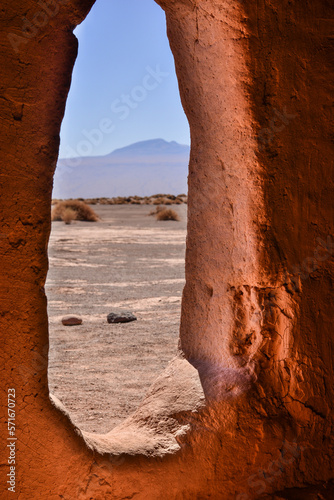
127 261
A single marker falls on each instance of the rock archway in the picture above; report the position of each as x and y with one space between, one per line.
257 314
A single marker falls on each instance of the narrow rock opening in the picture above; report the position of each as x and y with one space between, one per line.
127 260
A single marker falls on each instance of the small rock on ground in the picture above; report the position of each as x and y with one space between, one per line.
71 321
121 317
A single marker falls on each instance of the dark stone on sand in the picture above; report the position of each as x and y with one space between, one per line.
71 321
121 317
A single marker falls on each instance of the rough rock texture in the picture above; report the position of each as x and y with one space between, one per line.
121 317
257 311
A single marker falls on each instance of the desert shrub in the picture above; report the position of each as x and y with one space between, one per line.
167 214
158 209
68 215
103 201
82 210
91 201
162 201
120 200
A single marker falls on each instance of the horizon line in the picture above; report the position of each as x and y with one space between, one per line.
122 147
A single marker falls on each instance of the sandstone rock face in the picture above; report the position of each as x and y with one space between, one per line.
257 310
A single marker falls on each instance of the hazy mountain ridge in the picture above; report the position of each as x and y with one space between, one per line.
151 147
143 168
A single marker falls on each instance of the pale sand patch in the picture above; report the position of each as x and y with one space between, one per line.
129 261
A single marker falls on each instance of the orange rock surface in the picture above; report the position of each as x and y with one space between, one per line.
257 316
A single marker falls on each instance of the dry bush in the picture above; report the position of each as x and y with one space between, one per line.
162 201
167 214
83 211
120 200
182 197
103 201
158 209
136 200
91 201
167 199
68 215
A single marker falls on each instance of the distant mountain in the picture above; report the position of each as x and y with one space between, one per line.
143 169
152 147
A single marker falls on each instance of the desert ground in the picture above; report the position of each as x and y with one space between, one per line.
129 261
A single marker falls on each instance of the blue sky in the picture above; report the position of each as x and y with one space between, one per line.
124 87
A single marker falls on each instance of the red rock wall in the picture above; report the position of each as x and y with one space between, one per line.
255 82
